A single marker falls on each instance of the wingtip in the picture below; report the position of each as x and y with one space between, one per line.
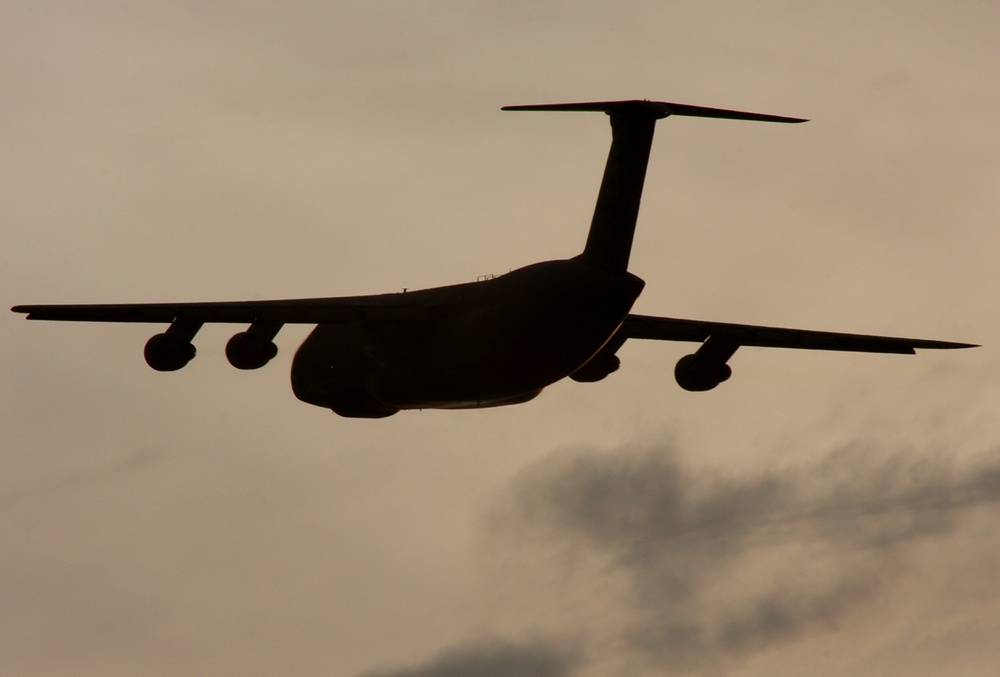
947 345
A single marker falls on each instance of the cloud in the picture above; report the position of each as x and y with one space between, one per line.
692 571
75 479
634 561
493 658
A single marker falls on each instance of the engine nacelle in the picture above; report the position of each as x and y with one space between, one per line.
250 351
168 352
697 373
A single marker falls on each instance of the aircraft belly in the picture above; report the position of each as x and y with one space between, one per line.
503 354
493 367
486 351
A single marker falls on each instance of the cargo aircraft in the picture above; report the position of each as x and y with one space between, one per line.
489 343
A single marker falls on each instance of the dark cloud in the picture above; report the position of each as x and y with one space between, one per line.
715 568
655 566
492 659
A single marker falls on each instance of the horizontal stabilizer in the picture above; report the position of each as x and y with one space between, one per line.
656 109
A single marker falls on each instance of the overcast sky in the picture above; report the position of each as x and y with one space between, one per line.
816 515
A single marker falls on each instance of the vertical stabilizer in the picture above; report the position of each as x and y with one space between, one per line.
612 228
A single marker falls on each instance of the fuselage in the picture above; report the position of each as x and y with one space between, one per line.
480 344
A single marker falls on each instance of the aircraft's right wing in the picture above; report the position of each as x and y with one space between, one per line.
707 368
672 329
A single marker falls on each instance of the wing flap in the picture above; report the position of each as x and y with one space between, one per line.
673 329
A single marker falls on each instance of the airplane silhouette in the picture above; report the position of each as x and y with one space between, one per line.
489 343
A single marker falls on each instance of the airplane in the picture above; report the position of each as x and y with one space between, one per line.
497 341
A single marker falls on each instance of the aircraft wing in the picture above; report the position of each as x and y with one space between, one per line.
249 349
736 335
292 311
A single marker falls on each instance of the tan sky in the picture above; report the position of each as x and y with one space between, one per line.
816 515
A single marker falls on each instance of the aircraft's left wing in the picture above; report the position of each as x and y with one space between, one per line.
707 368
292 311
249 349
672 329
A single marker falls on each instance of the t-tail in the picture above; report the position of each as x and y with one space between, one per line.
609 242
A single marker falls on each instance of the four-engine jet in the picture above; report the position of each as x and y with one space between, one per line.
493 342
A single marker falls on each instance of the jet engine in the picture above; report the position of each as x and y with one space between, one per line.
168 352
698 373
247 350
